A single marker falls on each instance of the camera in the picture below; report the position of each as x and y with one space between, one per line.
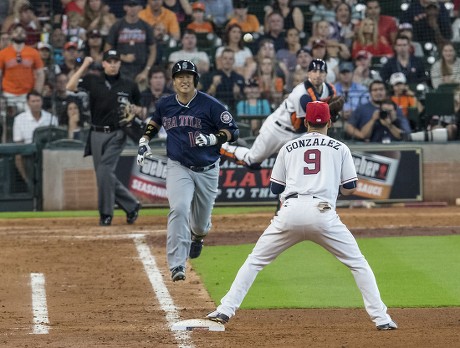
383 114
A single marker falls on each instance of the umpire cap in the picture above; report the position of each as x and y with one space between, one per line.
186 66
317 64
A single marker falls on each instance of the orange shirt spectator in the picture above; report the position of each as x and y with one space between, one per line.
248 22
198 24
153 15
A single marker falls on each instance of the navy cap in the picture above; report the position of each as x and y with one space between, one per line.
317 64
111 54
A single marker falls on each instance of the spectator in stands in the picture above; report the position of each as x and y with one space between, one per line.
60 96
405 29
199 24
247 21
155 12
162 42
319 51
363 73
75 6
367 39
267 50
447 68
181 8
23 14
94 47
322 32
379 120
189 51
97 16
50 68
72 119
21 70
288 55
224 84
157 88
292 15
430 20
274 30
303 59
355 94
25 124
75 32
343 29
253 105
270 85
133 39
57 40
404 97
70 55
219 12
387 25
4 40
233 39
324 11
404 62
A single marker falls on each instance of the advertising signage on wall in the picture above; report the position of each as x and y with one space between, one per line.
383 175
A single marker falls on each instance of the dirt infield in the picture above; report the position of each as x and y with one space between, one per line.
98 293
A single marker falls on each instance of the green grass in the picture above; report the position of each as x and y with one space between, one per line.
118 212
410 272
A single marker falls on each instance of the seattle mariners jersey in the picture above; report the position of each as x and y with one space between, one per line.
301 163
203 114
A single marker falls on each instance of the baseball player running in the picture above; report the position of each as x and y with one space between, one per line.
196 125
286 122
308 173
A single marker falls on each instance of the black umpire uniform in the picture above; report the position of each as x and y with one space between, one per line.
108 95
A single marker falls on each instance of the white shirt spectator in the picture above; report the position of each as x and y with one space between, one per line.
25 124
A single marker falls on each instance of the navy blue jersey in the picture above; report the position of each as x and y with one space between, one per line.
203 114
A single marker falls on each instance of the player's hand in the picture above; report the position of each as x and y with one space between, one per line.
143 151
205 140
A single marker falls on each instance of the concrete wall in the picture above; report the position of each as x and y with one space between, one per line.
69 182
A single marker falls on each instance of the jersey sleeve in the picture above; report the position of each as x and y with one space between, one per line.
278 175
222 118
348 168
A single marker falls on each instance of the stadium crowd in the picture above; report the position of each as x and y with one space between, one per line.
384 57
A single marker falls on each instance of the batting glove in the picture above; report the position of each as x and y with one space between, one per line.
205 140
143 151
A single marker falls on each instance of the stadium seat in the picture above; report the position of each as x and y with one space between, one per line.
44 135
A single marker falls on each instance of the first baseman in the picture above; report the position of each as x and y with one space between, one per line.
196 125
286 122
308 173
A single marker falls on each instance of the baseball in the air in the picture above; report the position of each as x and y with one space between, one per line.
248 37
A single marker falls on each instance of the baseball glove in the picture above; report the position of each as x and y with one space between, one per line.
126 114
335 106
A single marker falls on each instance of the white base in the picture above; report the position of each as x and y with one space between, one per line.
198 324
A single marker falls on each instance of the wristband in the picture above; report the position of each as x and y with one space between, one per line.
151 131
221 137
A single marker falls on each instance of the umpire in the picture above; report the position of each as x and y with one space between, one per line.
109 94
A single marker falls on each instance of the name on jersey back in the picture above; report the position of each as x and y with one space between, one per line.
298 143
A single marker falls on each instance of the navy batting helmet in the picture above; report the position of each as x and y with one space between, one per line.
186 66
317 64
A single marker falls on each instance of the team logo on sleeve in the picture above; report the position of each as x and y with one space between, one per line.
226 117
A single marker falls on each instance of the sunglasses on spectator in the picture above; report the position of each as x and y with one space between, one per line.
18 57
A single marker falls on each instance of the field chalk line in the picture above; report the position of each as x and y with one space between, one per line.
39 306
160 289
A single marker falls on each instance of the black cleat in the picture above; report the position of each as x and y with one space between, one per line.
218 317
195 248
132 216
106 220
178 273
390 326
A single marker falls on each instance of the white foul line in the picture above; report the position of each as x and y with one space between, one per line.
160 289
39 306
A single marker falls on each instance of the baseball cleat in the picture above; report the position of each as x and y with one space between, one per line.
195 248
390 326
218 317
106 220
132 216
178 273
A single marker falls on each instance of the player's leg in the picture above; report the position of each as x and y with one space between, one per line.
206 188
279 236
180 188
338 240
